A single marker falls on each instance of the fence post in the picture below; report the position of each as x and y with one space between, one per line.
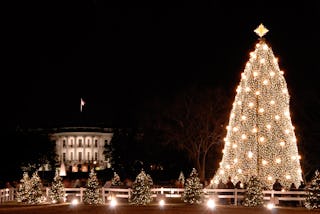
47 192
12 194
236 196
103 195
129 194
81 194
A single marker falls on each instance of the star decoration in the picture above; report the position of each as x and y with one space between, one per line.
261 30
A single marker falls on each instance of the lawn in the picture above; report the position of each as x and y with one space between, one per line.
174 208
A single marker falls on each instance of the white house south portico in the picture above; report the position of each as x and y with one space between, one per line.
81 148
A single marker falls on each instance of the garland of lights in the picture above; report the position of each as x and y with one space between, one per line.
260 136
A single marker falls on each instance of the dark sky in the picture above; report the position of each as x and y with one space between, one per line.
117 55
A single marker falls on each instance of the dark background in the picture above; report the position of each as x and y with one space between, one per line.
118 55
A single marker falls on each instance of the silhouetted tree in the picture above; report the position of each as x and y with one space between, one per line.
195 123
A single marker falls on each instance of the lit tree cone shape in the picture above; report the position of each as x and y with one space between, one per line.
260 137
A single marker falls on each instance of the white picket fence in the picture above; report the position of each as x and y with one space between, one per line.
234 195
7 194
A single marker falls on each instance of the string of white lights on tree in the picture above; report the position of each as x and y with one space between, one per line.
260 138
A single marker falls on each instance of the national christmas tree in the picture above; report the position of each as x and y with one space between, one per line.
260 136
253 196
57 189
141 189
91 194
193 189
313 193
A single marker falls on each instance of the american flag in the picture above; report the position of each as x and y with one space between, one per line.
81 104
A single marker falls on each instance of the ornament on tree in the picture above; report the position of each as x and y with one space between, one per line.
57 191
193 189
91 194
260 136
141 189
313 193
253 196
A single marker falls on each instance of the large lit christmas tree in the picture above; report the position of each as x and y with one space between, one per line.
260 138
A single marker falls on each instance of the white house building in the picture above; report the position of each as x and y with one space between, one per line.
81 148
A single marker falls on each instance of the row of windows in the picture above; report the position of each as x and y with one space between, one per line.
80 143
89 157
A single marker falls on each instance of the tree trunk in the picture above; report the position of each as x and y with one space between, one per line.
203 168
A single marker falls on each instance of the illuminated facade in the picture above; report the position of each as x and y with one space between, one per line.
81 148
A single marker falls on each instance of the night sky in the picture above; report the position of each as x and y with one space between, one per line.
117 56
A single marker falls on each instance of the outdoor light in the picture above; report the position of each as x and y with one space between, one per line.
74 202
211 204
113 202
161 203
270 206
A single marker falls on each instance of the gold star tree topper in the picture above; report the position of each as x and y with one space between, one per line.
261 30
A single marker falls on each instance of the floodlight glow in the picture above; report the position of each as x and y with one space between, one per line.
113 202
75 201
270 206
161 203
211 204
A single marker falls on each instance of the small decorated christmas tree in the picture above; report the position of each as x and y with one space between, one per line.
57 189
181 178
313 193
141 189
24 188
253 196
91 194
193 190
35 191
115 181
